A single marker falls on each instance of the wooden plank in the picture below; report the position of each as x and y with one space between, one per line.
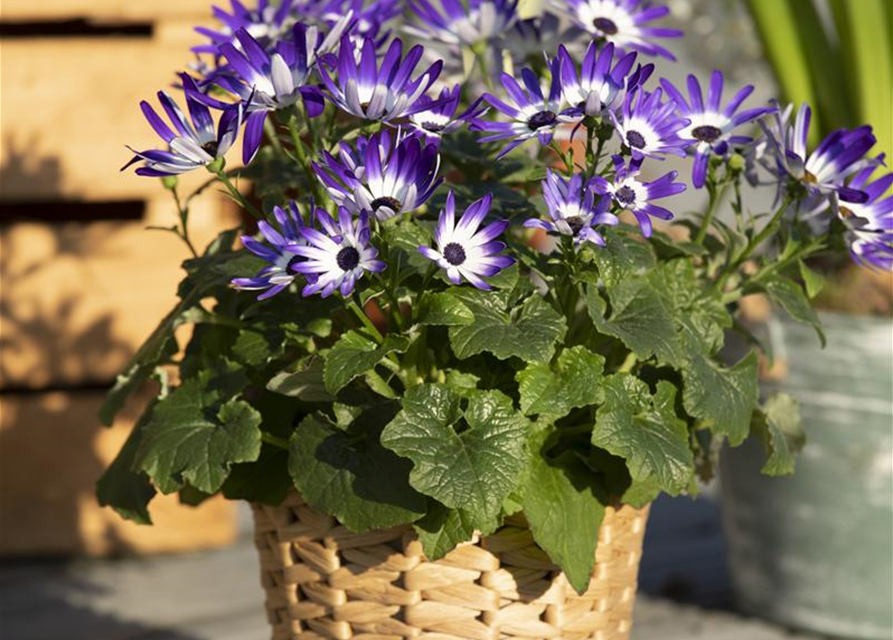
54 450
74 108
107 10
79 298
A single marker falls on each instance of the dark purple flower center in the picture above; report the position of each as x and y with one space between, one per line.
348 258
635 139
454 253
210 148
391 203
706 133
433 127
541 119
575 223
606 26
625 195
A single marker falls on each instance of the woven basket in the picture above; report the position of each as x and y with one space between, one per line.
323 581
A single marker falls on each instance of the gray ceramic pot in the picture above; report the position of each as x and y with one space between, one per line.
815 551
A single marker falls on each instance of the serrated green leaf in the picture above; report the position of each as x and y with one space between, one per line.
563 511
640 317
472 468
790 296
191 438
645 431
722 399
813 280
349 475
255 348
306 383
574 381
123 487
442 529
354 354
528 332
408 236
641 493
444 309
622 257
264 481
461 381
779 428
701 317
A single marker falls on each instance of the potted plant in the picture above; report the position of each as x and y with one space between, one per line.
441 429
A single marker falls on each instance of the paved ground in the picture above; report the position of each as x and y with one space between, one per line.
215 595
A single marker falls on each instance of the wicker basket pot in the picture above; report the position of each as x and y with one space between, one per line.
323 581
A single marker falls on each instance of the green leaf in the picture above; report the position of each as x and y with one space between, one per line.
700 316
353 354
640 317
813 280
645 431
563 511
622 257
306 383
574 381
265 481
349 475
192 437
123 487
779 428
722 399
408 236
790 296
255 348
528 331
444 309
442 529
473 468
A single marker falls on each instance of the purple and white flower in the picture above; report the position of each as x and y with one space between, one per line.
622 22
574 209
647 126
457 23
534 114
440 117
378 91
269 81
870 223
464 250
266 23
822 173
280 255
636 196
369 18
190 145
337 258
711 126
596 88
387 175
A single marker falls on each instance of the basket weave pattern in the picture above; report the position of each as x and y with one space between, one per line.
325 582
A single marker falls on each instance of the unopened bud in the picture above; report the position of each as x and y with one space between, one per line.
169 182
737 162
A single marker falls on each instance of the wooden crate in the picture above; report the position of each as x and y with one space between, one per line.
53 451
79 296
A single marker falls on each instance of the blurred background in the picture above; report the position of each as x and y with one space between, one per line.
82 283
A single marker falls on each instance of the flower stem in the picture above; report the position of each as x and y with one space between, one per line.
276 441
367 322
183 212
709 215
234 192
629 363
301 155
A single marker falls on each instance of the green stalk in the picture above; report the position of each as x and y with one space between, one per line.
711 212
217 169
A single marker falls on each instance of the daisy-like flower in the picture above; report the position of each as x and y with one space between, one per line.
636 196
190 145
272 81
338 258
463 250
266 23
533 113
280 255
374 91
871 223
623 22
369 18
596 88
650 127
574 208
387 175
440 117
527 39
822 173
710 126
457 23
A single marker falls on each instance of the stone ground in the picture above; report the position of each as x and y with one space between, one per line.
684 593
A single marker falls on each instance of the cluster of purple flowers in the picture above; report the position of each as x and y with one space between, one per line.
290 58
